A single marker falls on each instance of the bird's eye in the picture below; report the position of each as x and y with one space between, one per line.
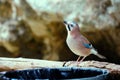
71 25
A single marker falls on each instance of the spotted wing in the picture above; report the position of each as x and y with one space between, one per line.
86 43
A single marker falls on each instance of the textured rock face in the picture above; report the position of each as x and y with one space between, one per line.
12 34
34 28
98 13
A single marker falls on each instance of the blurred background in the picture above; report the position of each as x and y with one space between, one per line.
35 29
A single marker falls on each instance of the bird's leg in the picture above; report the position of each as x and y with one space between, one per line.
75 62
81 60
78 59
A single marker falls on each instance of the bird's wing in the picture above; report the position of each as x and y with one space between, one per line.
86 43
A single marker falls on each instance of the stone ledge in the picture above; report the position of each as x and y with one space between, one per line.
8 64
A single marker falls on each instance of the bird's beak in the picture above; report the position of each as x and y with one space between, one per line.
67 25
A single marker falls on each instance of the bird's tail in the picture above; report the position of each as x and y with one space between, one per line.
93 51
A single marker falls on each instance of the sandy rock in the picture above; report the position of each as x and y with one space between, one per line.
11 34
98 13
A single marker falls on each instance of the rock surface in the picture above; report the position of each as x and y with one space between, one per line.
98 13
8 64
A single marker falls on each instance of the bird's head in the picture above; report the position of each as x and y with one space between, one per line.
70 26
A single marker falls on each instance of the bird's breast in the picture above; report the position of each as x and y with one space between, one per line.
76 46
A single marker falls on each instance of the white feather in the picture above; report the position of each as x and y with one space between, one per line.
93 51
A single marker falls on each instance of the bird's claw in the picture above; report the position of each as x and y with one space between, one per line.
71 64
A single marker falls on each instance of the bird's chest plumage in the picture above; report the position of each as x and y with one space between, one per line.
76 46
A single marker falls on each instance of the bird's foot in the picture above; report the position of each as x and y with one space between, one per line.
71 64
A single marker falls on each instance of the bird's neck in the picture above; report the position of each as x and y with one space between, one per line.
75 32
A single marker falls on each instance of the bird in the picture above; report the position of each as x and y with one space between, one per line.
78 43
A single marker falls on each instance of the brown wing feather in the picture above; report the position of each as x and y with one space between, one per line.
85 42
